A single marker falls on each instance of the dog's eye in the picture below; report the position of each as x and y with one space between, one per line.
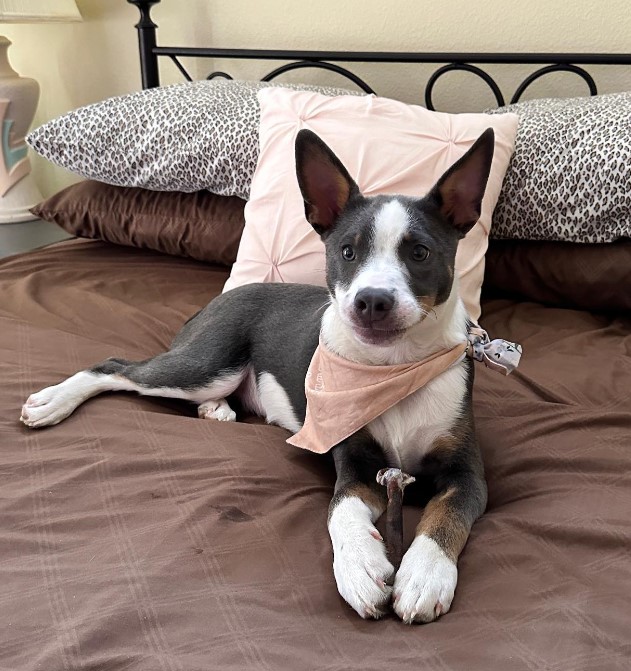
348 253
420 253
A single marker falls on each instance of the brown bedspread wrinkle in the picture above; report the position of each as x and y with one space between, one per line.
136 536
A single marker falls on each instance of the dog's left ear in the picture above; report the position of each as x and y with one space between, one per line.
459 192
324 182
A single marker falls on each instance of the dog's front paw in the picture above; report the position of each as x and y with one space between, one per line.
425 582
362 571
360 565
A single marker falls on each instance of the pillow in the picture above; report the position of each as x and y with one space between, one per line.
201 225
570 174
185 137
388 147
562 274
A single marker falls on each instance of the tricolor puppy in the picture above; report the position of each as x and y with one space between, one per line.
392 298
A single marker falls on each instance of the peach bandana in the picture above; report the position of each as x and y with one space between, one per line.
344 396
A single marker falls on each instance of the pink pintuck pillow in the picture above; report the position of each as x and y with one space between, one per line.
388 147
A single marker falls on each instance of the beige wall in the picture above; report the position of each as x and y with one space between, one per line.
77 64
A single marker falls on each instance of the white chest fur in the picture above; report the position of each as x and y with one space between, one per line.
408 430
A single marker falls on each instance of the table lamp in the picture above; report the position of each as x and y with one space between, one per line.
18 102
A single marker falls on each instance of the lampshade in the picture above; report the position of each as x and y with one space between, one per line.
36 11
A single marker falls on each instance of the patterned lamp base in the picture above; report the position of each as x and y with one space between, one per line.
15 205
18 100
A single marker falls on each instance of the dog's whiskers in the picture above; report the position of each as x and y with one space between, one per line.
324 305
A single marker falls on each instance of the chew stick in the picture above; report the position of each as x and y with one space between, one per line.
395 481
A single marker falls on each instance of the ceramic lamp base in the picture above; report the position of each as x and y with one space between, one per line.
18 100
16 203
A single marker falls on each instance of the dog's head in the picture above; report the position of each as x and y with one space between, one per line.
389 259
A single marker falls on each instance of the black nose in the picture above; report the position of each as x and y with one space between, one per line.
373 305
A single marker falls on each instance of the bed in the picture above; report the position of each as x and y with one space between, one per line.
136 536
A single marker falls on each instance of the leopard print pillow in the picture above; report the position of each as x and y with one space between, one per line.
185 137
569 178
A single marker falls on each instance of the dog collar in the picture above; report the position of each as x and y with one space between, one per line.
344 396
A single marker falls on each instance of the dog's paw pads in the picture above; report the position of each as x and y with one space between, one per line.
425 583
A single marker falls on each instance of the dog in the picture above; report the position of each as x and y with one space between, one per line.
391 298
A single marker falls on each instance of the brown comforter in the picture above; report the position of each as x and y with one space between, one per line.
136 536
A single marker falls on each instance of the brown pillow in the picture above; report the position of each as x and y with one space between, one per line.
565 274
201 224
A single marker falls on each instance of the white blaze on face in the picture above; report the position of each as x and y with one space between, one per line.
383 269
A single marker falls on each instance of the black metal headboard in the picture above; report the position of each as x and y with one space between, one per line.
328 60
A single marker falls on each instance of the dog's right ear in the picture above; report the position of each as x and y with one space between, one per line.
324 182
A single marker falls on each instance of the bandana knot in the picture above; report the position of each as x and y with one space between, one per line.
500 355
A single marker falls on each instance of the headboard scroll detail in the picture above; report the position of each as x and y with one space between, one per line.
329 60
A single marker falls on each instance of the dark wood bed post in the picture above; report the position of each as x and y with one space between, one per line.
147 43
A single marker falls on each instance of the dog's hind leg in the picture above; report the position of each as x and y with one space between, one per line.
172 374
53 404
